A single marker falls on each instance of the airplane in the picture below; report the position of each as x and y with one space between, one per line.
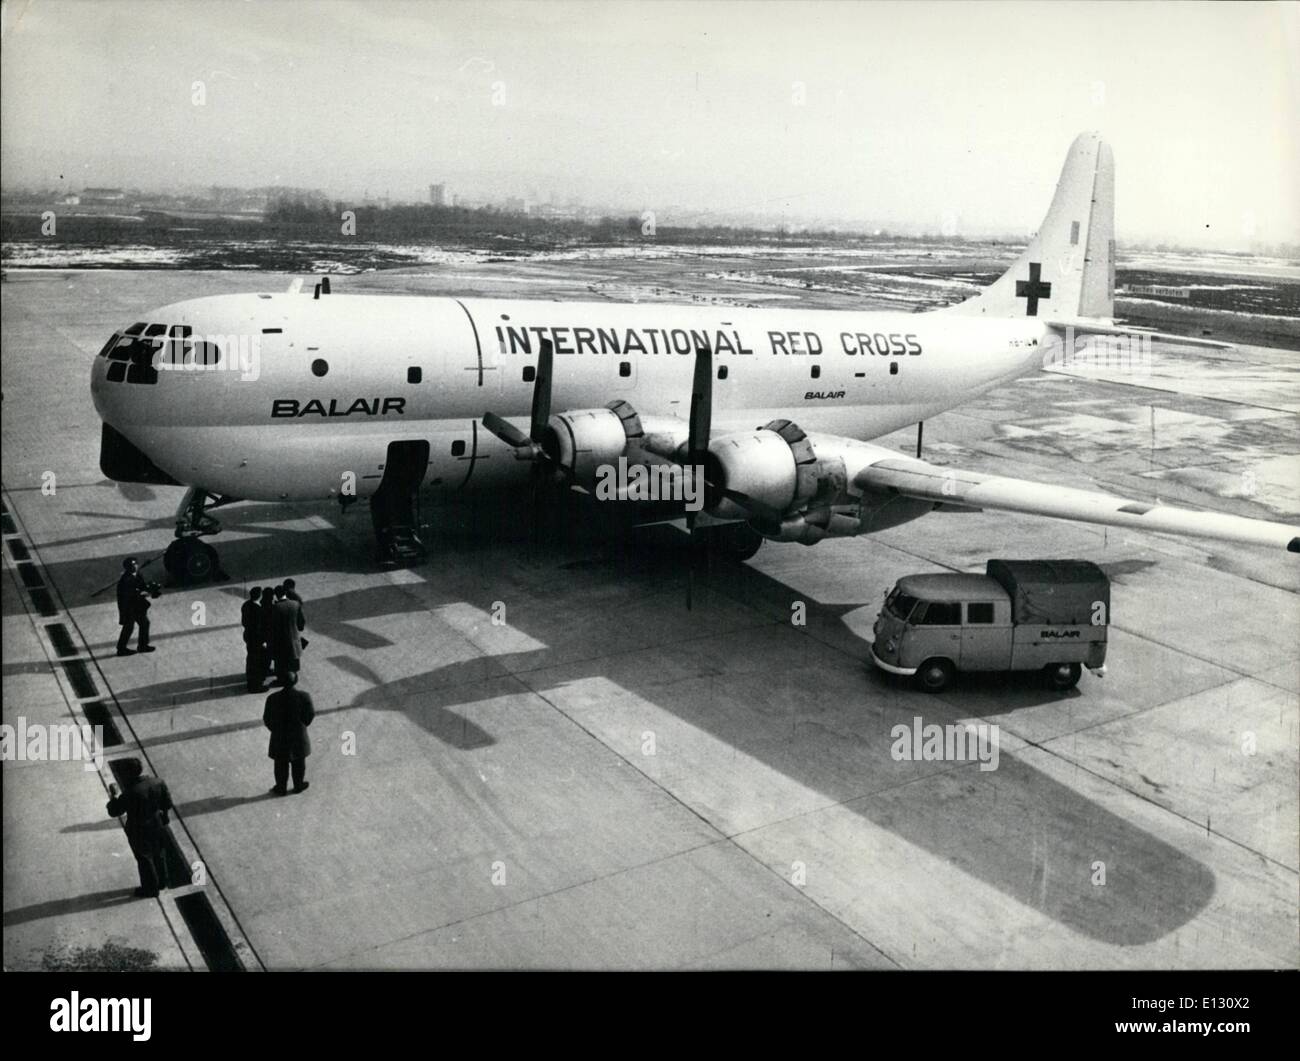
303 396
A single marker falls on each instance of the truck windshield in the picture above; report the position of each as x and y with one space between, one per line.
899 604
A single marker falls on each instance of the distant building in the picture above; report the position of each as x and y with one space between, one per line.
438 194
103 195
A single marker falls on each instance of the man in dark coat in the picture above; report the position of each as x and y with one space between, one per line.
145 803
286 623
289 711
132 608
291 592
268 605
250 617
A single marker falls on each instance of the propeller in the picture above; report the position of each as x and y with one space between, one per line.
697 445
920 427
529 447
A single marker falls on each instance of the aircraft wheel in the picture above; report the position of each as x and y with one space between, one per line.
1062 676
736 541
934 675
190 560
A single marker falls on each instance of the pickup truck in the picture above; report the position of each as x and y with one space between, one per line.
1045 615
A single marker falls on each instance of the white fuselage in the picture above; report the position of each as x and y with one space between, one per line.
326 383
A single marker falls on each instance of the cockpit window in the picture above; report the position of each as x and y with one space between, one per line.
137 352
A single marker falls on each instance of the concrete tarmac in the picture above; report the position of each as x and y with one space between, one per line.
606 780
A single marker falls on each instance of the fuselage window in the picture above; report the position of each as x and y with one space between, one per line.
414 374
893 368
458 448
319 367
722 372
625 368
530 373
816 371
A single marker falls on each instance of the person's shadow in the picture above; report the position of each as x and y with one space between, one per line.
76 904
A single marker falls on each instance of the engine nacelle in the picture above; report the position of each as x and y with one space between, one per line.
775 466
579 441
778 467
758 464
837 512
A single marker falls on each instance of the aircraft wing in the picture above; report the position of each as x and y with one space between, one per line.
907 477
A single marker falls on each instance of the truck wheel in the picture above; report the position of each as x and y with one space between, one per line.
1062 676
934 675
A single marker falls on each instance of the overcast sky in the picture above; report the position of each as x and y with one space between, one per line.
876 112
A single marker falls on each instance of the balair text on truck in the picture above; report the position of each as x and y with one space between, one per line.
1047 615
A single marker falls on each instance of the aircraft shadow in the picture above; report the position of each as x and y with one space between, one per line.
1015 829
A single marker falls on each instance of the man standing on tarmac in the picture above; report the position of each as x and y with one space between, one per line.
132 608
250 617
288 713
145 803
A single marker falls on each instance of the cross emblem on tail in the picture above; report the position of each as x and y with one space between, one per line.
1033 289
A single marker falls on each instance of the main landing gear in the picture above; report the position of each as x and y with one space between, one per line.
189 561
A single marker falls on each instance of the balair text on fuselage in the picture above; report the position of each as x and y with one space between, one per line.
291 407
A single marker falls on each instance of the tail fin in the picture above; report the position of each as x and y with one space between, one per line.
1068 269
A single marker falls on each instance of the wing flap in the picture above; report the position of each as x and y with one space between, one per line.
951 486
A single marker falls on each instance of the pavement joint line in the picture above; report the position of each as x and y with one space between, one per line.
750 856
238 940
105 759
1200 826
713 842
1113 781
859 798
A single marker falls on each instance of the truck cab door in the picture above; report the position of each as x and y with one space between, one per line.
986 636
935 633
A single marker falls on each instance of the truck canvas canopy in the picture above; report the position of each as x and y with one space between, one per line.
1048 592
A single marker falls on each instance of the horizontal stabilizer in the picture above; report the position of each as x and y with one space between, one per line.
1088 326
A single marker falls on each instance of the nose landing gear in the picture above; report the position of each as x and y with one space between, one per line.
189 561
